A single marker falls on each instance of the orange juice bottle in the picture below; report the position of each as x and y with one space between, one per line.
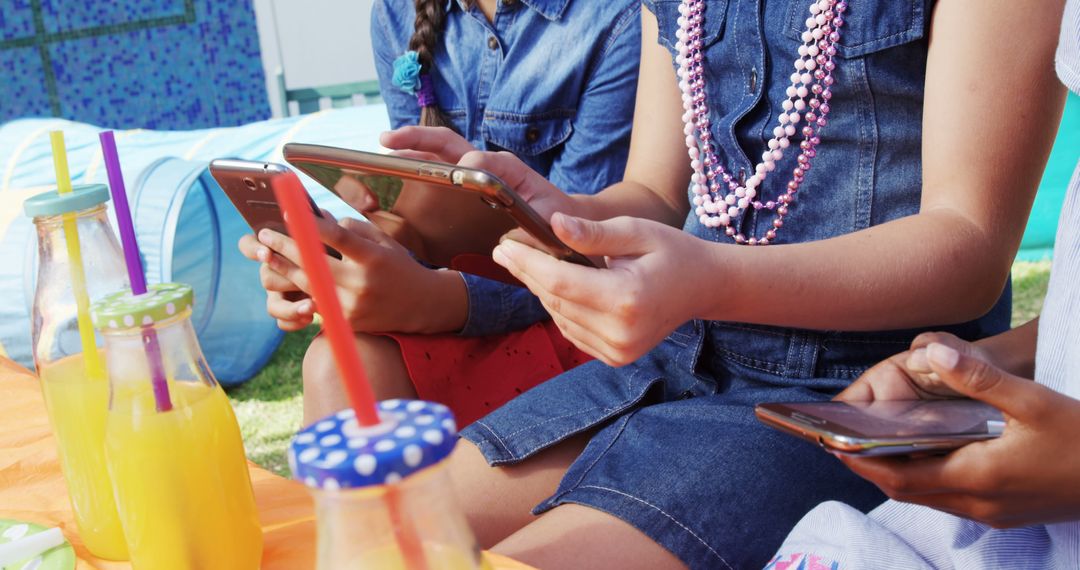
172 444
73 382
383 497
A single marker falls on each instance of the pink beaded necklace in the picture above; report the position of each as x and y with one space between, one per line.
812 78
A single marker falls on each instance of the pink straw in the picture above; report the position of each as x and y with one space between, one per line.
134 265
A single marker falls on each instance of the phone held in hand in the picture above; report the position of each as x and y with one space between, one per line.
886 427
250 187
451 211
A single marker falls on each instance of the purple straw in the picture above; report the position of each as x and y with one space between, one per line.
134 265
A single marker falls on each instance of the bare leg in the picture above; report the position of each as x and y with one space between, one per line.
575 536
498 500
323 392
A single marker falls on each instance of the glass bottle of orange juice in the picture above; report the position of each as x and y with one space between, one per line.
383 497
73 379
172 443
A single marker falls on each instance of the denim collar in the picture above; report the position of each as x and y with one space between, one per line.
550 9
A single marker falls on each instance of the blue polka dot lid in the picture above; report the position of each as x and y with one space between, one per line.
336 453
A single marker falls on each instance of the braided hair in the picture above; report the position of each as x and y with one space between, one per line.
430 18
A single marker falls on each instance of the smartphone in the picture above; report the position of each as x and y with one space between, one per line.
450 211
250 187
887 427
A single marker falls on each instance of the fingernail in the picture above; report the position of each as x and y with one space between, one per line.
510 246
571 225
262 254
264 236
942 357
304 308
499 256
917 360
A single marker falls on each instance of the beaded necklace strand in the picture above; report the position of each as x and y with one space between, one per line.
812 79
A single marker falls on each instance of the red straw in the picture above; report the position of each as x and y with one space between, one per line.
301 224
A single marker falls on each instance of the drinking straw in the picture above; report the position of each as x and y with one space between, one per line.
30 546
91 358
134 265
301 224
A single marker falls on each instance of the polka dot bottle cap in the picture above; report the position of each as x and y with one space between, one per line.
123 310
335 453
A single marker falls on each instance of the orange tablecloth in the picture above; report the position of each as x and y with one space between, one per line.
32 488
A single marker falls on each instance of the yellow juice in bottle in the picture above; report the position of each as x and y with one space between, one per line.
181 480
78 403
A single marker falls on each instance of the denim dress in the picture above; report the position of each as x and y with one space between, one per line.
904 536
675 449
552 81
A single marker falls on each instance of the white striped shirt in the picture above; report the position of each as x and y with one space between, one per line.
902 536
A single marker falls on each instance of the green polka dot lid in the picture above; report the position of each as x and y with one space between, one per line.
336 453
122 310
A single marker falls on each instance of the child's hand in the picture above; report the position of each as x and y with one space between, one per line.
438 143
380 286
618 313
285 302
1027 476
907 376
441 143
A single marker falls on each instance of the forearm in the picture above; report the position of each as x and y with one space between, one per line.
632 199
442 305
933 268
1014 350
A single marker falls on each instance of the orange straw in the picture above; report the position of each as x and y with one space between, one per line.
301 224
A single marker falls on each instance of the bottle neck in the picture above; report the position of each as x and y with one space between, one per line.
64 289
144 361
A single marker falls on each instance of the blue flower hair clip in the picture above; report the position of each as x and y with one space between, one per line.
409 78
407 72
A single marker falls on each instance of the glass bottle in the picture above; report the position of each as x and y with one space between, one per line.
78 259
383 497
172 443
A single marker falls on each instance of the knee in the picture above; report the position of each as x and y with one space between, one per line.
381 359
319 367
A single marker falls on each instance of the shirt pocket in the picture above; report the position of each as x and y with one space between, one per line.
868 26
667 19
526 135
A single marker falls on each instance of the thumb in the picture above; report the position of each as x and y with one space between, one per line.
526 182
617 237
979 380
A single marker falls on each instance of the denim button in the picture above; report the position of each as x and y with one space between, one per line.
753 80
493 43
532 134
686 395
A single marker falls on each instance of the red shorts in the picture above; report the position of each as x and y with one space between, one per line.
475 375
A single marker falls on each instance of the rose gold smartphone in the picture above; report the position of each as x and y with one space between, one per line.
250 187
886 427
450 211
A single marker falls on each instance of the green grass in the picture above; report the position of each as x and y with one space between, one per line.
1029 288
269 406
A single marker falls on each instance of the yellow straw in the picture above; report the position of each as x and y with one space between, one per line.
91 358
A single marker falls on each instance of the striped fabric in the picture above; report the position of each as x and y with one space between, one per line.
1068 54
902 536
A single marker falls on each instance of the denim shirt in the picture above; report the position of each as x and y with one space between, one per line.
552 81
868 165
